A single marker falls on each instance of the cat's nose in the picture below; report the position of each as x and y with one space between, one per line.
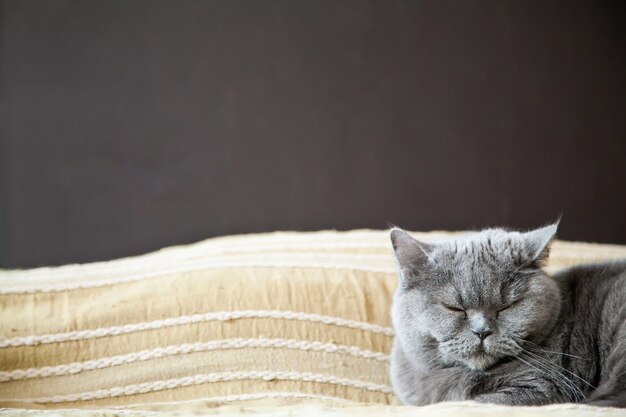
482 333
480 325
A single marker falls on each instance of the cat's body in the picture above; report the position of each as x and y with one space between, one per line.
477 319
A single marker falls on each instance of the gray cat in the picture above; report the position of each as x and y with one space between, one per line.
476 318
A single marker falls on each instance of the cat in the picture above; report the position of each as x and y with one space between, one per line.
476 318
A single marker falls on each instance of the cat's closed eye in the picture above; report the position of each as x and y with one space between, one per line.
509 305
453 308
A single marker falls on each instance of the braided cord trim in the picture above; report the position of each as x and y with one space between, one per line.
208 378
246 397
34 340
12 285
107 362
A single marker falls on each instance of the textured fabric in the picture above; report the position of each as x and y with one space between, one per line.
281 317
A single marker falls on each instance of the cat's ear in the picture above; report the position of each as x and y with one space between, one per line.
537 243
410 253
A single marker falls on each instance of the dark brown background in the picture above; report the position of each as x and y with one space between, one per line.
132 125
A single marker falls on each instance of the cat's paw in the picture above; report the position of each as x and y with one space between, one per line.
515 397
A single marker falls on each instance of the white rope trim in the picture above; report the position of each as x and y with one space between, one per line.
16 285
33 340
245 397
144 355
261 395
146 387
186 257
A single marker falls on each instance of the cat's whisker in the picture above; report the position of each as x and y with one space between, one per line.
558 378
560 367
554 364
555 369
553 352
547 367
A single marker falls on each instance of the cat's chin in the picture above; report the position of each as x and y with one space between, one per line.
480 361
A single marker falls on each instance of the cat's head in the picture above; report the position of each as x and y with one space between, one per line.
476 299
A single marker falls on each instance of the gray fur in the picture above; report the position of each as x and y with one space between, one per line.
476 318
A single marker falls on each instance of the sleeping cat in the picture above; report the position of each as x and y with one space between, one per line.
476 318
